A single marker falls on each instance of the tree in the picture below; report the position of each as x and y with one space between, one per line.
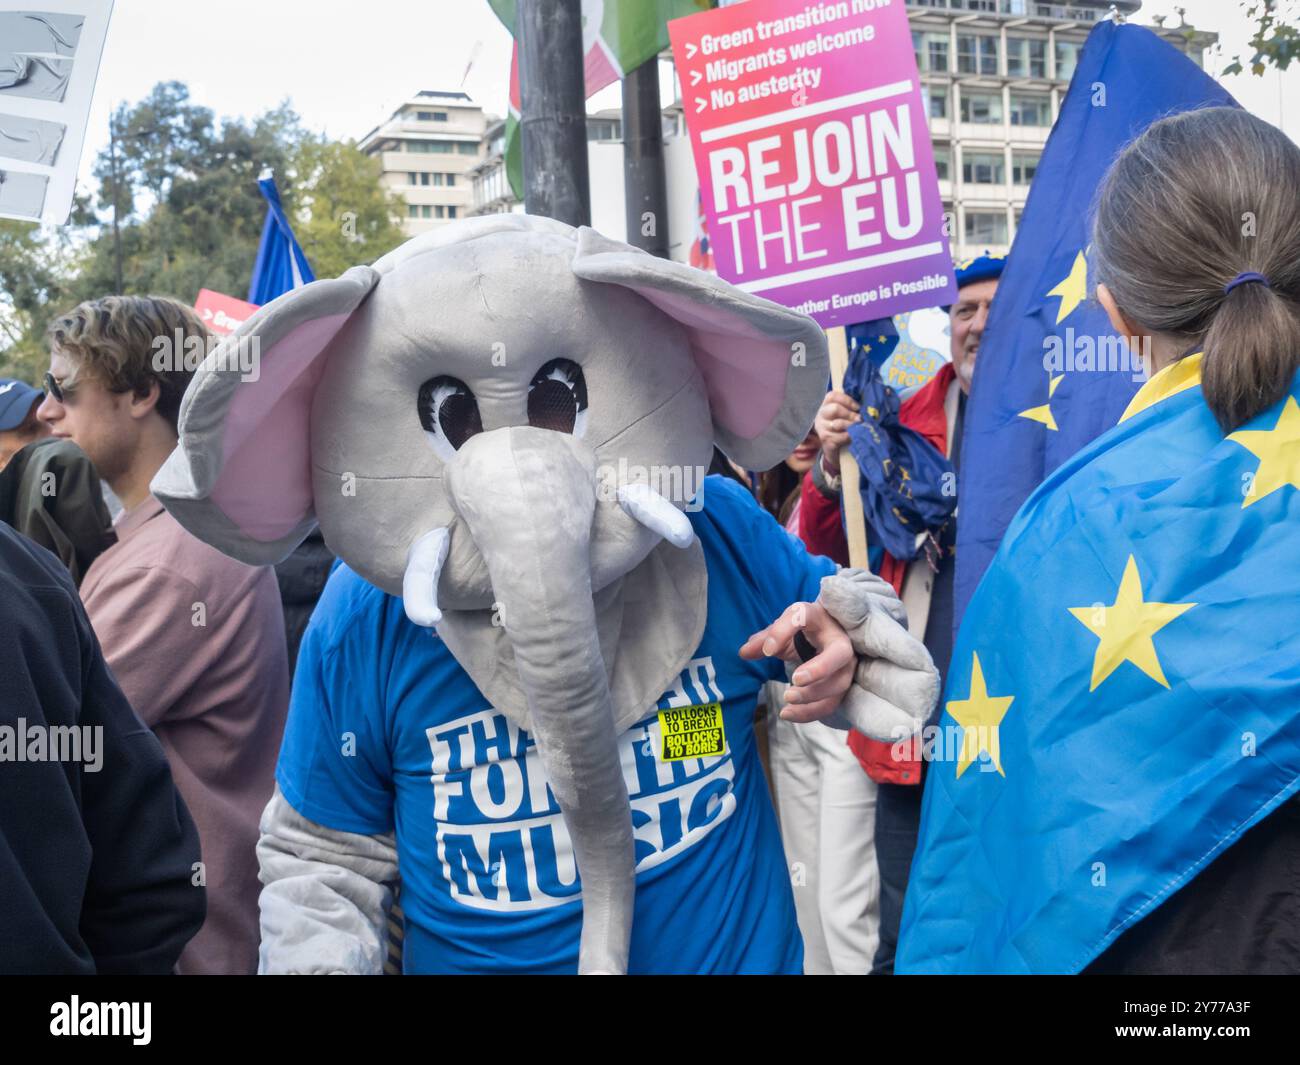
190 215
187 187
344 215
33 267
1276 39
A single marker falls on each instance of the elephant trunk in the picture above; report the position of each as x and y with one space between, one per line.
527 497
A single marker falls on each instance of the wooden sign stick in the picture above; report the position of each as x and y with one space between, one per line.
854 520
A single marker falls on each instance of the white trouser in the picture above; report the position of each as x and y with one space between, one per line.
826 804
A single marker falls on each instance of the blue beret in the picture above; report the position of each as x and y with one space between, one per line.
984 267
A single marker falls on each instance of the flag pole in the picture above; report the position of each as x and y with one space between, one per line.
855 521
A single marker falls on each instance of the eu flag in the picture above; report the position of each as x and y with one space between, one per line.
906 485
1124 698
1049 376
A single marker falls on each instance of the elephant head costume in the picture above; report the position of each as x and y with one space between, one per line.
480 423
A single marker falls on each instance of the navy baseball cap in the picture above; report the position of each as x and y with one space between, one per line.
16 401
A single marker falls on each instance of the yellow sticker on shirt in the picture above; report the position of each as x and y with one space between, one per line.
691 732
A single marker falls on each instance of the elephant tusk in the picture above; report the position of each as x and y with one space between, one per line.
420 581
642 503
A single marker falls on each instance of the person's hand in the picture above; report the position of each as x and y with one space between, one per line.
838 411
820 684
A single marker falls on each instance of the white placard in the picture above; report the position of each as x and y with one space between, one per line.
72 111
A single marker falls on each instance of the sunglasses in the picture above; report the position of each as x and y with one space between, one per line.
55 389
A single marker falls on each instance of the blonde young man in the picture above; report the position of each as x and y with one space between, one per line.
195 639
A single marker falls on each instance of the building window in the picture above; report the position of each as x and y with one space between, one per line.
983 168
424 116
412 179
931 51
426 211
603 130
1024 165
451 212
977 54
938 98
442 147
1031 109
412 211
450 179
1026 57
986 227
1067 58
981 107
942 161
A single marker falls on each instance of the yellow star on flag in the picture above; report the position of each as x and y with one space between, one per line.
979 715
1278 450
1044 413
1073 289
1125 628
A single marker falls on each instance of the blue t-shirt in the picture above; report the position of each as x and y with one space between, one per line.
387 732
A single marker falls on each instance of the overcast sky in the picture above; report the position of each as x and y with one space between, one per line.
347 64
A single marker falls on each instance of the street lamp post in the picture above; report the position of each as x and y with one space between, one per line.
553 123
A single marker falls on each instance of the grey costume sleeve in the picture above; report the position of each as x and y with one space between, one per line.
895 684
325 897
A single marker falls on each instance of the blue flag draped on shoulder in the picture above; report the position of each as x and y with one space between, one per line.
1124 697
1050 376
281 265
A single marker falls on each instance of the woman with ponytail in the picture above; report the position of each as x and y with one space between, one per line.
1197 244
1142 721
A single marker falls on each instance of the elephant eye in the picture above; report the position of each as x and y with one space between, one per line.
448 413
557 398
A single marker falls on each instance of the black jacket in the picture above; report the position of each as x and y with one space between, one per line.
95 866
50 493
1239 915
302 578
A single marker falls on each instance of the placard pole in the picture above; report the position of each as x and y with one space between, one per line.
854 520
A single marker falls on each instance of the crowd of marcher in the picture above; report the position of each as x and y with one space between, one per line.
112 615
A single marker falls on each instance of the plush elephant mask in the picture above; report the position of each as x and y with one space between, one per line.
502 422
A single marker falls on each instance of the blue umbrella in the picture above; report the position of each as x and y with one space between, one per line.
281 265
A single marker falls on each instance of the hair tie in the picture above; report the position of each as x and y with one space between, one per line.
1245 278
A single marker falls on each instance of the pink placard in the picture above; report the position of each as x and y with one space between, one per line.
814 159
222 314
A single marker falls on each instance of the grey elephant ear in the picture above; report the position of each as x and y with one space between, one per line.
764 365
240 477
